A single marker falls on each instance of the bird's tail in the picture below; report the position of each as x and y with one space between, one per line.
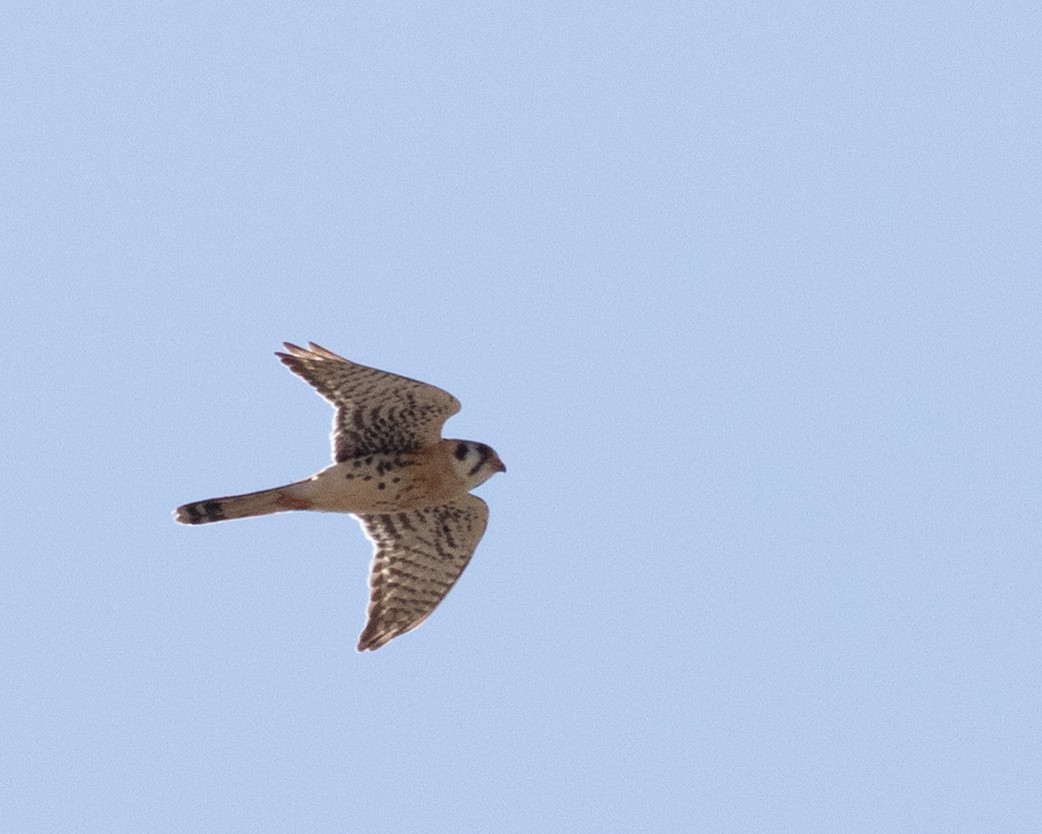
265 502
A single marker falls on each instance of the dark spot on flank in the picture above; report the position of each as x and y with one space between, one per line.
381 485
367 477
395 479
349 476
461 451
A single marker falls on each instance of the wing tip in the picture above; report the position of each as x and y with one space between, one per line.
292 351
312 351
324 353
371 642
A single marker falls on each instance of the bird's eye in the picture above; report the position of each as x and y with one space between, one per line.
461 451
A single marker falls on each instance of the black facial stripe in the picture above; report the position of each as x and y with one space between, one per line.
461 451
483 453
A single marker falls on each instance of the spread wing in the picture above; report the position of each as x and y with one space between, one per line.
418 557
376 411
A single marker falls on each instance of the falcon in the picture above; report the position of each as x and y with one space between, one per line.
409 488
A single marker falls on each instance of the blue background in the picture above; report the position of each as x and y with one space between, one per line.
745 295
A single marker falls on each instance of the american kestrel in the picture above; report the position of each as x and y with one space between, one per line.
409 488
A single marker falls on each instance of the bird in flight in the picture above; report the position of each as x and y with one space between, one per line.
408 487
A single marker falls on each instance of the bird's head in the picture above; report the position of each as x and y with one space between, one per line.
474 462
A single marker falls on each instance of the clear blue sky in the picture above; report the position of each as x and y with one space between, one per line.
747 297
